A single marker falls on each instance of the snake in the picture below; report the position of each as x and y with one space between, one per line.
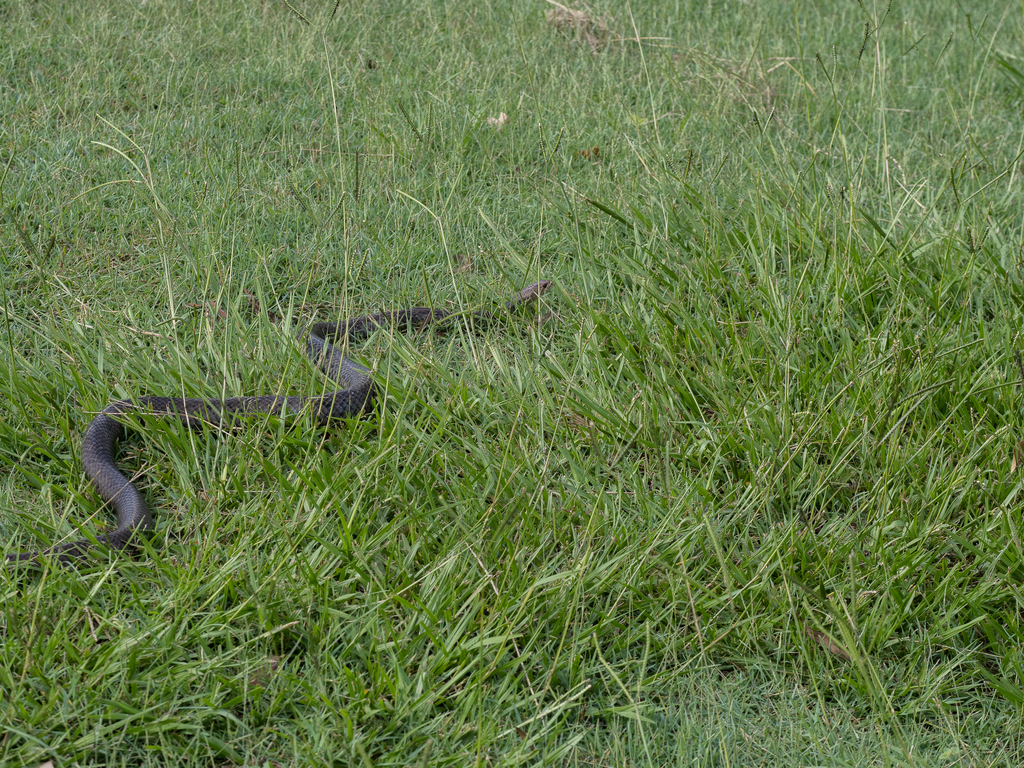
355 398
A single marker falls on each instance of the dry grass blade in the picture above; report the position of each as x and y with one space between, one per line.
828 644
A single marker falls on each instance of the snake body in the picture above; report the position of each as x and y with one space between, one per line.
355 398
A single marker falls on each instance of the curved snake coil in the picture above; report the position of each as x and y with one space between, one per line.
354 399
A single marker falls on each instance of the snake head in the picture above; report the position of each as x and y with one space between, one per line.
531 292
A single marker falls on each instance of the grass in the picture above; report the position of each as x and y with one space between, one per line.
750 495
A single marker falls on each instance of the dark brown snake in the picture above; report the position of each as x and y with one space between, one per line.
356 398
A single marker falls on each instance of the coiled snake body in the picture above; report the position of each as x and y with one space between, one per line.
105 430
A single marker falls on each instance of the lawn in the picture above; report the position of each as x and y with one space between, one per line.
745 488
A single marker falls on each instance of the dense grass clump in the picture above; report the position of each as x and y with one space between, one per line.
744 490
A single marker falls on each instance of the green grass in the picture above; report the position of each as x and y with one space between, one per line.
751 495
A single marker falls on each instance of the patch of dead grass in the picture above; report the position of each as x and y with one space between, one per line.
580 24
